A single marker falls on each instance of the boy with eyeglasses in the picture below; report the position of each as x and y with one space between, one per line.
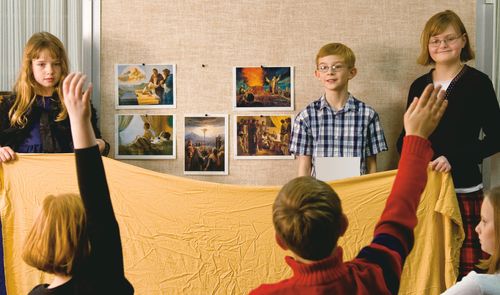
308 220
337 124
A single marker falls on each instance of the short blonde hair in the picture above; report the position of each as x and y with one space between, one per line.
492 264
435 26
337 49
58 241
307 217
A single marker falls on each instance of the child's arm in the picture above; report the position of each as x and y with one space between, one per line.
301 143
394 232
371 164
305 165
106 257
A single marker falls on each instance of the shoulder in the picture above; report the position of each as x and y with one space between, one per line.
310 110
421 81
476 76
7 100
39 289
489 283
280 287
364 108
468 285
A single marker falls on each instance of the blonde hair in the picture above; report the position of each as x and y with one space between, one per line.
492 264
437 24
58 241
337 49
26 85
307 217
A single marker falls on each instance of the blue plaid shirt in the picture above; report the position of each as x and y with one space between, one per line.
353 131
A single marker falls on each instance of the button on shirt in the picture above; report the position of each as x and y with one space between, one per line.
353 131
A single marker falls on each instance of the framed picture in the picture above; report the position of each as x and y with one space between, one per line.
145 137
140 86
263 88
205 144
262 137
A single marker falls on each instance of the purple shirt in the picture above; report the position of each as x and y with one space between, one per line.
33 143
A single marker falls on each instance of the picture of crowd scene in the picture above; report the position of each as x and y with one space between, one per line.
264 136
263 87
145 136
205 147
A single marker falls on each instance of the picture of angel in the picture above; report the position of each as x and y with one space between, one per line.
145 137
263 88
205 145
263 137
145 86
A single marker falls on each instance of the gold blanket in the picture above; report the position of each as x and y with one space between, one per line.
182 236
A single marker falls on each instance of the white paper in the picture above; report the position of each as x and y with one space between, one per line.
333 168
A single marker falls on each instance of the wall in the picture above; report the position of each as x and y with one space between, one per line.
221 34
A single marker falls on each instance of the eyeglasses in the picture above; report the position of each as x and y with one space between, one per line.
334 68
447 41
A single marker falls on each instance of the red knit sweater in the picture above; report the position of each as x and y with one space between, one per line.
377 268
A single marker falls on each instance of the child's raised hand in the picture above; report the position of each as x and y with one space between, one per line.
77 104
424 113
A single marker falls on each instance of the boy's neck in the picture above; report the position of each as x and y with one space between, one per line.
337 99
445 72
307 261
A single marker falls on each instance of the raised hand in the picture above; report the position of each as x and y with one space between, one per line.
78 107
77 104
424 113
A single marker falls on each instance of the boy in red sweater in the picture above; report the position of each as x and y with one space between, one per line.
308 220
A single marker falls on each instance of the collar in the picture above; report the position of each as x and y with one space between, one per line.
350 104
319 272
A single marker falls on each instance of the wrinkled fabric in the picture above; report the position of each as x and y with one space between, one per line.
183 236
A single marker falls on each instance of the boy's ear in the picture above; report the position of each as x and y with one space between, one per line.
352 72
280 242
316 74
344 223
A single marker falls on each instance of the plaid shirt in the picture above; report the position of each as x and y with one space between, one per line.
353 131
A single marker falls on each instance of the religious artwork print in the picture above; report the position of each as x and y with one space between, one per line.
263 88
145 137
262 137
206 144
140 86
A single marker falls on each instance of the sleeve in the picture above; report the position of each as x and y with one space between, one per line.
393 237
489 123
375 142
301 140
106 256
97 131
468 285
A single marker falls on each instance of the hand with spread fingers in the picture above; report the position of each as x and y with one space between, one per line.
79 111
424 113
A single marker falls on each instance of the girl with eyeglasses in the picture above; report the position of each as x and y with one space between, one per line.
472 107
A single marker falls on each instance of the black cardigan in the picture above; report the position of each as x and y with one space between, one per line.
13 136
472 107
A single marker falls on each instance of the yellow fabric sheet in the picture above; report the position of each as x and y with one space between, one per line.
182 236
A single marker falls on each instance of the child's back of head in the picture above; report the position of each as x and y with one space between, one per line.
307 216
